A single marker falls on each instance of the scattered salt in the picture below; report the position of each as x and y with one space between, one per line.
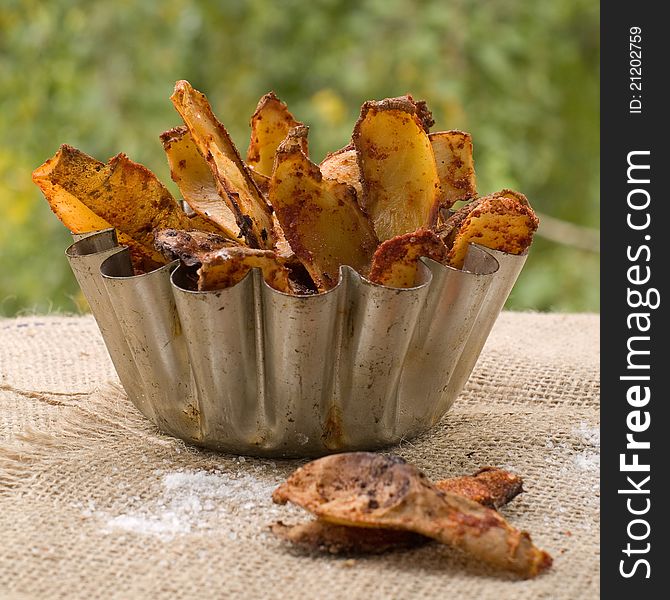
587 460
587 434
191 501
575 460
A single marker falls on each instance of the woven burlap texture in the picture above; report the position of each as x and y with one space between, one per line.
96 503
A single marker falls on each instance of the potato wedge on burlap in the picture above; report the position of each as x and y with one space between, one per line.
501 222
270 124
234 182
489 486
191 173
342 166
395 262
455 166
320 217
363 489
120 194
401 187
225 267
322 536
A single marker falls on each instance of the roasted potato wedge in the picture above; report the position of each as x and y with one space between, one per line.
395 262
78 218
322 536
320 217
191 173
364 489
270 124
448 229
401 187
72 212
489 486
233 179
455 166
121 194
453 159
342 166
499 222
191 247
225 267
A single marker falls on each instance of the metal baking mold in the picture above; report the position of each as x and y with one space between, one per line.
251 370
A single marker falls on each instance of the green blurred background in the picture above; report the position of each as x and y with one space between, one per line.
521 76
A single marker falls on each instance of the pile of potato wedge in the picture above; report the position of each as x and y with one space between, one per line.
376 205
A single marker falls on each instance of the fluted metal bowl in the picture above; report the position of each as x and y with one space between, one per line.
251 370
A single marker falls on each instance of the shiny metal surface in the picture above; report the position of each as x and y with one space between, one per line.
251 370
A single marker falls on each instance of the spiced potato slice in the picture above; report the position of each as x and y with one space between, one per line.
342 166
190 171
234 182
455 166
400 182
78 218
227 266
499 222
490 486
395 262
270 124
320 217
191 247
322 536
364 489
88 195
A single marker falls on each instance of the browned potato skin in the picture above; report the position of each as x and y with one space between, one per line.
342 166
270 124
447 230
322 222
512 195
225 267
395 262
120 194
233 179
499 222
397 166
455 166
364 489
424 113
191 247
489 486
190 171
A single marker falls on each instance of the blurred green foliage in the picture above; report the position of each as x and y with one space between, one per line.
521 76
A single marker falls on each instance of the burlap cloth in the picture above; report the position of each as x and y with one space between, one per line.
95 503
